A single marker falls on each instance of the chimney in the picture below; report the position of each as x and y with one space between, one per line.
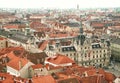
20 64
47 66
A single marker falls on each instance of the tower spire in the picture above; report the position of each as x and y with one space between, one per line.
81 28
81 37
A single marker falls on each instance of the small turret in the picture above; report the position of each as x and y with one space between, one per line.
27 29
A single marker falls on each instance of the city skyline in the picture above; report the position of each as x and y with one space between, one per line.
62 4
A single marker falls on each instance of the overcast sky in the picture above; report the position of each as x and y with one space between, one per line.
58 3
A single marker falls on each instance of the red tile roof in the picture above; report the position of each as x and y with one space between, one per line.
109 77
60 59
8 78
37 66
95 71
9 49
44 79
59 35
90 79
43 45
37 24
11 55
1 38
97 24
17 63
11 26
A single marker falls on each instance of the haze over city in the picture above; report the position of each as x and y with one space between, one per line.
63 41
58 3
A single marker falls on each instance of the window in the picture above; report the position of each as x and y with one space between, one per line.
41 70
74 53
96 51
96 56
66 54
104 50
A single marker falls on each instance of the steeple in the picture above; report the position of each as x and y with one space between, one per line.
27 29
81 28
77 6
81 37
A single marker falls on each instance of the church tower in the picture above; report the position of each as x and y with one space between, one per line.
77 6
27 29
81 37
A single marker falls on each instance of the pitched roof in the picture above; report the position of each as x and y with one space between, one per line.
17 63
68 49
95 71
37 66
43 45
34 56
44 79
59 35
109 76
60 59
69 80
7 78
9 49
1 38
11 26
11 55
37 24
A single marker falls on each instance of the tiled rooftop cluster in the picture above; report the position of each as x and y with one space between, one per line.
55 46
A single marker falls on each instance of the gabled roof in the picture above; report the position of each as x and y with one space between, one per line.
69 80
1 38
37 66
34 56
17 63
59 35
90 79
9 49
43 45
11 55
95 71
72 24
11 26
7 78
43 79
60 59
109 77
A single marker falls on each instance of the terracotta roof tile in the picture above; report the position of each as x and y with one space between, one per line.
11 55
11 26
43 45
37 66
60 59
1 38
8 78
44 79
97 24
9 49
17 63
109 76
